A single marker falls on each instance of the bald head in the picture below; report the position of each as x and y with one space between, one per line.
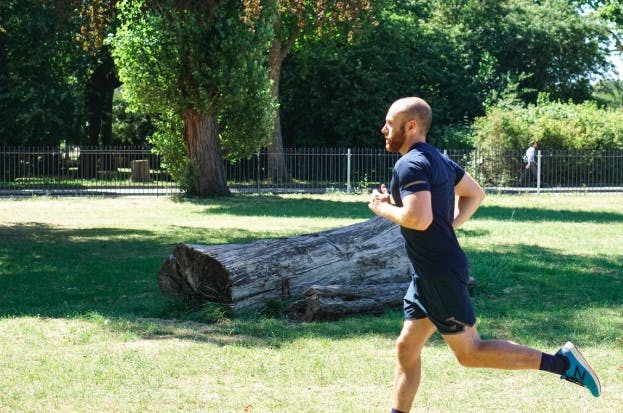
413 108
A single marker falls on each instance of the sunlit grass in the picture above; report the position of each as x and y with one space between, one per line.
84 328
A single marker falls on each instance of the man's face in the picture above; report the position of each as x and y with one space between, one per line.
394 131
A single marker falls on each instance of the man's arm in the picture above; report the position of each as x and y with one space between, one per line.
470 194
416 211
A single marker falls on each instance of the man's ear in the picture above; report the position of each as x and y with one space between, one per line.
412 125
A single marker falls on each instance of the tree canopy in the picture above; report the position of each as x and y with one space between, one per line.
40 74
205 62
183 59
459 55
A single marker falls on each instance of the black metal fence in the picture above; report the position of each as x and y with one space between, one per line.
554 169
138 171
78 171
313 170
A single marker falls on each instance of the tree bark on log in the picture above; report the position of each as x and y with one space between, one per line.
363 265
329 302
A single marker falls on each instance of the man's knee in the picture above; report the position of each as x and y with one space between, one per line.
407 349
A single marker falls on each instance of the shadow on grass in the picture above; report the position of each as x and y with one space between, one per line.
57 272
522 292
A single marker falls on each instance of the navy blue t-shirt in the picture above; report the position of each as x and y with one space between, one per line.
434 251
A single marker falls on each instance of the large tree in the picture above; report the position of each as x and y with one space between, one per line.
611 11
336 93
298 19
205 61
57 75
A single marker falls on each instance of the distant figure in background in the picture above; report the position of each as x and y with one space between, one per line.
529 173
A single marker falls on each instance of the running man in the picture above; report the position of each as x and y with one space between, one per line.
423 189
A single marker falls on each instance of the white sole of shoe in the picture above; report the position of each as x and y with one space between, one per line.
576 353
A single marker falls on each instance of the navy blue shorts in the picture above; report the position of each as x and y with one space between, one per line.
443 299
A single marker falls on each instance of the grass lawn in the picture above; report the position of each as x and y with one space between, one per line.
84 328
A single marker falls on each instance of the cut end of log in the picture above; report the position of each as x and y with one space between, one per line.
189 273
172 284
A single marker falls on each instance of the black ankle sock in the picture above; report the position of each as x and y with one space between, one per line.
397 411
554 364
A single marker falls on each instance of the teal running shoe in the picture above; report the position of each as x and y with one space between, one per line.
579 371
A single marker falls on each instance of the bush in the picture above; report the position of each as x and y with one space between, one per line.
455 136
555 125
507 129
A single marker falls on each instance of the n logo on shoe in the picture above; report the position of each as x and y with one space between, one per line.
579 374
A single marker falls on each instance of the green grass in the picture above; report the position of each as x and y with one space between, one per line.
84 328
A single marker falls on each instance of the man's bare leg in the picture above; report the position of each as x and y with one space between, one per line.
414 334
471 351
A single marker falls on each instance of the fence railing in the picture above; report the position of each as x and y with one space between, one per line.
85 170
312 170
138 171
554 169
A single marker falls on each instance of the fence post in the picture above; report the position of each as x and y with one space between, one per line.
538 172
348 156
258 172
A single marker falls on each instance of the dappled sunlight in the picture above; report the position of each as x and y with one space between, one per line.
518 288
79 292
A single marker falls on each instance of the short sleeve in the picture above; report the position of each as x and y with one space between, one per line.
458 172
414 176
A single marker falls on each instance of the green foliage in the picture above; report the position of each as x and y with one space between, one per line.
458 55
41 77
554 43
177 56
554 124
508 128
204 60
337 93
168 142
129 128
454 136
609 93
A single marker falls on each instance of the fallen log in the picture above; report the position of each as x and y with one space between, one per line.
330 302
248 276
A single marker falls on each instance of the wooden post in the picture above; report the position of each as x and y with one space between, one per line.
140 171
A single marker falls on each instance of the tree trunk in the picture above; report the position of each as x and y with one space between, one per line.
204 151
362 259
277 170
99 100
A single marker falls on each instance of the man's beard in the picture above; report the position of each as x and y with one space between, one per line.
395 143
